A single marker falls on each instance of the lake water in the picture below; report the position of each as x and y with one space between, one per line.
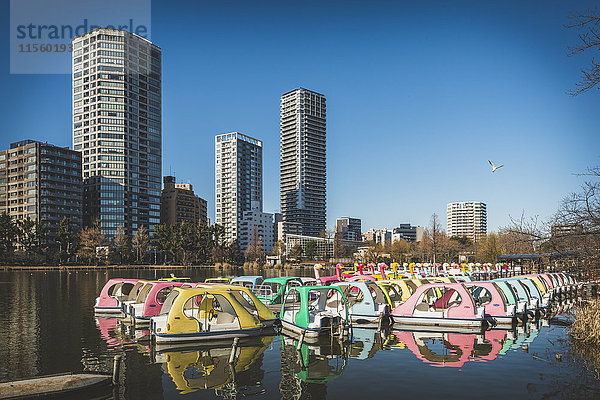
47 325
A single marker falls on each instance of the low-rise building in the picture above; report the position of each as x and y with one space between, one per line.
263 222
349 228
179 204
323 246
378 236
408 233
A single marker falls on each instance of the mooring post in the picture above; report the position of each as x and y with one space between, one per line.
233 350
380 322
116 370
301 340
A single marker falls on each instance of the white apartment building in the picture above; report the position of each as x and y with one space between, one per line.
466 218
263 222
116 80
238 180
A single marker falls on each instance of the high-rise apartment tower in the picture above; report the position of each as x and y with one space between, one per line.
238 180
466 218
303 166
117 128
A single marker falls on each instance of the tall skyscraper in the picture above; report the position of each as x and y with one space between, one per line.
117 127
238 180
466 218
303 166
41 182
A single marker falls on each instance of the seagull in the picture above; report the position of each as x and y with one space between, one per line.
494 168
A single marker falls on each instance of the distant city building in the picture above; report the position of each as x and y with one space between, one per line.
408 233
179 204
323 246
349 228
466 218
378 236
41 182
566 230
238 180
117 128
303 167
263 222
277 218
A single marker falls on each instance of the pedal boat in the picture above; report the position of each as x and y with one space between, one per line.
512 299
113 292
249 301
368 304
314 311
203 313
273 290
487 294
250 281
522 292
440 305
225 281
149 302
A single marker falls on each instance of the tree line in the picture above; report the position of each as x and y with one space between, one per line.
27 242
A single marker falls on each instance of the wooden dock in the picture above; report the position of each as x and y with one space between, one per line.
52 385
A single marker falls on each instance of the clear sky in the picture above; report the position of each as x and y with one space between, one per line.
419 96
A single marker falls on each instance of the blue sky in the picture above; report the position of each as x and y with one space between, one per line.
420 95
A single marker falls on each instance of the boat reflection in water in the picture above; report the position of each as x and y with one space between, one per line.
306 369
207 366
445 349
111 331
366 342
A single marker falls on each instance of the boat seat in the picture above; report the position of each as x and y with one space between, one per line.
227 322
422 307
453 304
225 318
333 304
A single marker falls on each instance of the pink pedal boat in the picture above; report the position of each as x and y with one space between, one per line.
436 305
149 301
111 295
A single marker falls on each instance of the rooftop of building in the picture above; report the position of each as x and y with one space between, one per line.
101 28
25 142
302 89
224 137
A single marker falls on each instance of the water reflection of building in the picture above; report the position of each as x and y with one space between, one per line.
20 350
305 371
207 367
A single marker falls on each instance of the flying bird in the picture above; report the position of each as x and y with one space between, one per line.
494 168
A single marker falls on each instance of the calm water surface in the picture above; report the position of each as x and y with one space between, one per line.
47 325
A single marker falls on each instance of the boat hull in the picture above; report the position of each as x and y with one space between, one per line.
310 334
438 322
108 310
201 336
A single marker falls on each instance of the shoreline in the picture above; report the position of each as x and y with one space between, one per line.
104 267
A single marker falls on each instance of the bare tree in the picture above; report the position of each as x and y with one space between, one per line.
436 233
254 251
122 243
588 25
141 243
92 243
